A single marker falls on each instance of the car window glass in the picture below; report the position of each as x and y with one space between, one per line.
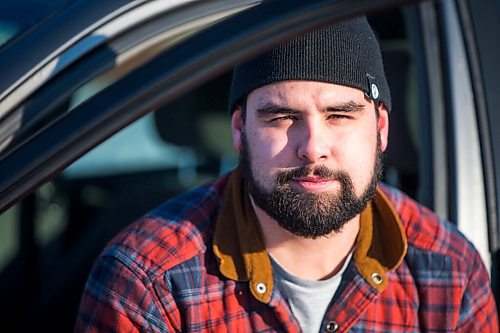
17 16
114 60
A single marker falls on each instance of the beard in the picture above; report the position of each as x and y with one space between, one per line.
306 214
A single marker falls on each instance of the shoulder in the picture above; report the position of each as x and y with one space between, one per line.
175 232
446 269
425 231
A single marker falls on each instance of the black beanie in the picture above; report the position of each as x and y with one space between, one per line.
346 53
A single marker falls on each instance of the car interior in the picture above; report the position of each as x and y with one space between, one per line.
49 241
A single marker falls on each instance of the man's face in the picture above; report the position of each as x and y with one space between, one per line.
310 153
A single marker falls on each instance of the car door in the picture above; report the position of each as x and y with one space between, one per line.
481 27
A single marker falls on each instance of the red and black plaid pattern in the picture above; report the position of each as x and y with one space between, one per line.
160 275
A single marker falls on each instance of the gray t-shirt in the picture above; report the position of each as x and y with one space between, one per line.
308 299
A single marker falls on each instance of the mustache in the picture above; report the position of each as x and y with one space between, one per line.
320 171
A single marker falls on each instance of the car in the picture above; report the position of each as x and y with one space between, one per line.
109 108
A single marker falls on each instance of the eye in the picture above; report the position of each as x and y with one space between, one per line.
283 119
339 117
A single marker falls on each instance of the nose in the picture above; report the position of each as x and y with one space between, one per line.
315 144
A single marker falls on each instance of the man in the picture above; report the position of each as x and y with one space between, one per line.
300 236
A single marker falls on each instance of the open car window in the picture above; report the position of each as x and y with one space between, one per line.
152 122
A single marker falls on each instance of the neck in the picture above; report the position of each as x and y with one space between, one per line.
310 259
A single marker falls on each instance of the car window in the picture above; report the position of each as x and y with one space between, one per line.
170 150
17 16
116 57
53 236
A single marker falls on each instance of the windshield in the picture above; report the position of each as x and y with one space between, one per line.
17 16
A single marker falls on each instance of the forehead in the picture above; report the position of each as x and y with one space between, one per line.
287 92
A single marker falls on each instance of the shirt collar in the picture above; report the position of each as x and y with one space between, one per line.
242 255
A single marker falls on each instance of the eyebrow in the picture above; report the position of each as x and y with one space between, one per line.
350 106
269 109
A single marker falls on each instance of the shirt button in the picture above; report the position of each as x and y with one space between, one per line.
332 326
376 278
261 288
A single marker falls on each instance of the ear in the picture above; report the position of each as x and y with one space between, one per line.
237 127
383 126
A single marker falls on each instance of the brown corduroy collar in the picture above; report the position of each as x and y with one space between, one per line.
242 255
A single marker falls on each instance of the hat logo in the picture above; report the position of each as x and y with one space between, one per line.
375 92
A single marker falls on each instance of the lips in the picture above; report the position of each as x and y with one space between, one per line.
313 183
311 179
309 176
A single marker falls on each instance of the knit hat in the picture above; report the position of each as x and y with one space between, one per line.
346 53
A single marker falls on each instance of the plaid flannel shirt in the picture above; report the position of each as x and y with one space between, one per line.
161 275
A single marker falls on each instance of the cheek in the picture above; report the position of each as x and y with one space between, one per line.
268 146
359 155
